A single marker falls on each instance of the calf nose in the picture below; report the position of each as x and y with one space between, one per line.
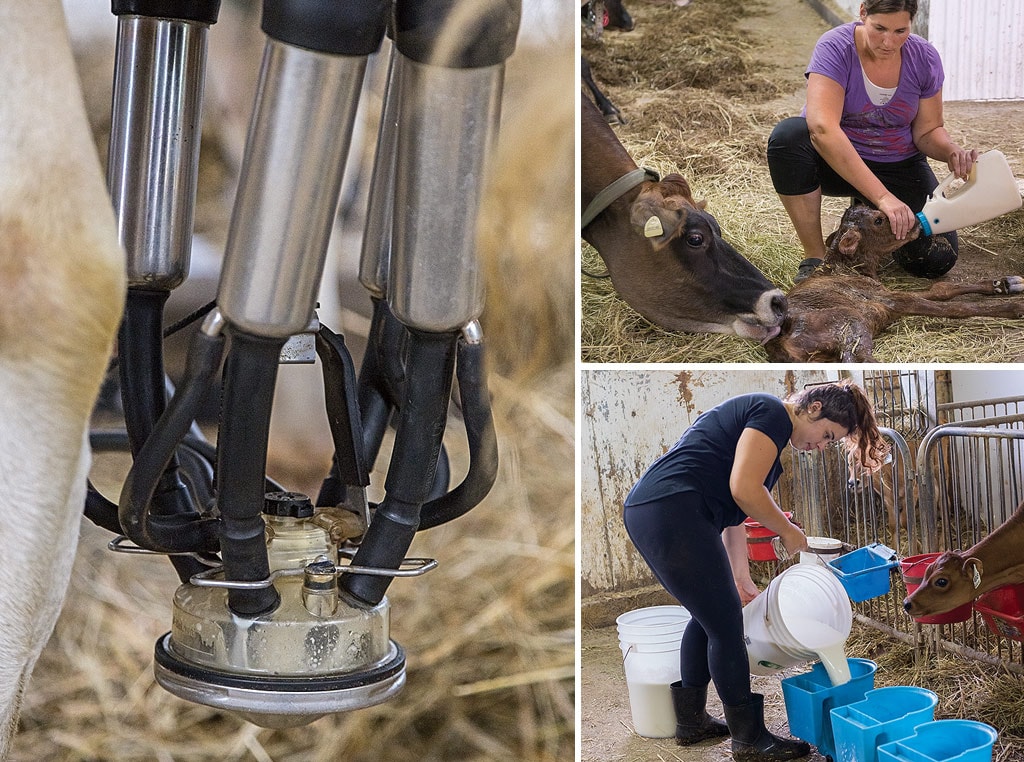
906 605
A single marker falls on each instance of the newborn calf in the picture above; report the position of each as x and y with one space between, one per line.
835 314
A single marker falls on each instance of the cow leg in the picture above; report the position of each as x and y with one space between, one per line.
611 113
62 273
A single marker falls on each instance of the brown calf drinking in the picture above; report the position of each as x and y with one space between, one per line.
835 314
958 577
665 253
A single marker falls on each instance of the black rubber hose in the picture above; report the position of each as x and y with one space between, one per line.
144 400
351 28
100 511
410 480
250 374
483 444
381 377
486 37
202 11
180 532
382 380
141 364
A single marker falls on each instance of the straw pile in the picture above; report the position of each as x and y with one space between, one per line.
701 95
966 689
489 635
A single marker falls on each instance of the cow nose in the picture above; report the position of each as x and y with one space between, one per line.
779 304
906 605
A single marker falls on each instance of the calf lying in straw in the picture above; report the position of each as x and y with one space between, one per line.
958 577
835 314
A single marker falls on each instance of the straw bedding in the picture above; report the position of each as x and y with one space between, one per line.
489 635
966 689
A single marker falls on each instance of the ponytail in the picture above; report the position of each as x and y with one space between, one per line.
846 403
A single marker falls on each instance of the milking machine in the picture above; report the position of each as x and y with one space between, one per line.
282 614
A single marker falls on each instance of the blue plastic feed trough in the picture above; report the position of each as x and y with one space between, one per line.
864 572
810 696
885 714
943 741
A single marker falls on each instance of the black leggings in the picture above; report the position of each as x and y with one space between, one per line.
687 555
796 169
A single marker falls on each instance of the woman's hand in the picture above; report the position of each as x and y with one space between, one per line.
747 589
960 161
901 218
793 539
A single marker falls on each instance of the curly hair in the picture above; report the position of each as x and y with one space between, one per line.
845 403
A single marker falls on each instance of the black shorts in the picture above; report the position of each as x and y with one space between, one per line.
796 169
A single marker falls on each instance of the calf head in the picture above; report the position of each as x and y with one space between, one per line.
951 580
697 281
863 240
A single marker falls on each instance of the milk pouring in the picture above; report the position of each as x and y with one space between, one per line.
804 614
990 191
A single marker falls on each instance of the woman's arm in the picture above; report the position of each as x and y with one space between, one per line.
931 138
755 455
825 99
735 541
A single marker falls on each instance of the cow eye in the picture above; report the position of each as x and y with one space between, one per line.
941 582
878 221
694 239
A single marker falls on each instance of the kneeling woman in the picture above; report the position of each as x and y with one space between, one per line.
685 516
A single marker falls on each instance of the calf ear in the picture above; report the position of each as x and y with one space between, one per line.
849 242
973 574
654 221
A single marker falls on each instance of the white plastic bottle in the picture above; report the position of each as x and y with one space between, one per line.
990 191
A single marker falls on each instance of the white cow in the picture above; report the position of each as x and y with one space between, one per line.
61 290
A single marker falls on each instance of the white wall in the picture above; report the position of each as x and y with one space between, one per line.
981 43
982 47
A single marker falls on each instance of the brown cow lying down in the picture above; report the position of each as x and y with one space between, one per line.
835 314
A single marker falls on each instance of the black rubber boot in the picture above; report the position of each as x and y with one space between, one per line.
751 740
806 269
693 724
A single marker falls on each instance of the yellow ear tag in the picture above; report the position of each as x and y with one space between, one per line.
653 228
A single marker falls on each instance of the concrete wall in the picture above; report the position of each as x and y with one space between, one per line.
627 419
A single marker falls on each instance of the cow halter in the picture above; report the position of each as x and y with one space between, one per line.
612 192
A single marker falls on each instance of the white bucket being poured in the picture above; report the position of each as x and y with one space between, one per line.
804 614
649 641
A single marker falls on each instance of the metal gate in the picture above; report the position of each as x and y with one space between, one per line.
956 472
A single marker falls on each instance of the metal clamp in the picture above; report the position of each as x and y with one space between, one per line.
122 544
209 578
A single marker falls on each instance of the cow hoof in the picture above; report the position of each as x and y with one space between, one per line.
1011 284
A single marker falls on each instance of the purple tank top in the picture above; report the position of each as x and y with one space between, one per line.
879 133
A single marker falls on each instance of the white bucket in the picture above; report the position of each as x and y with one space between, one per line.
821 550
649 640
804 614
